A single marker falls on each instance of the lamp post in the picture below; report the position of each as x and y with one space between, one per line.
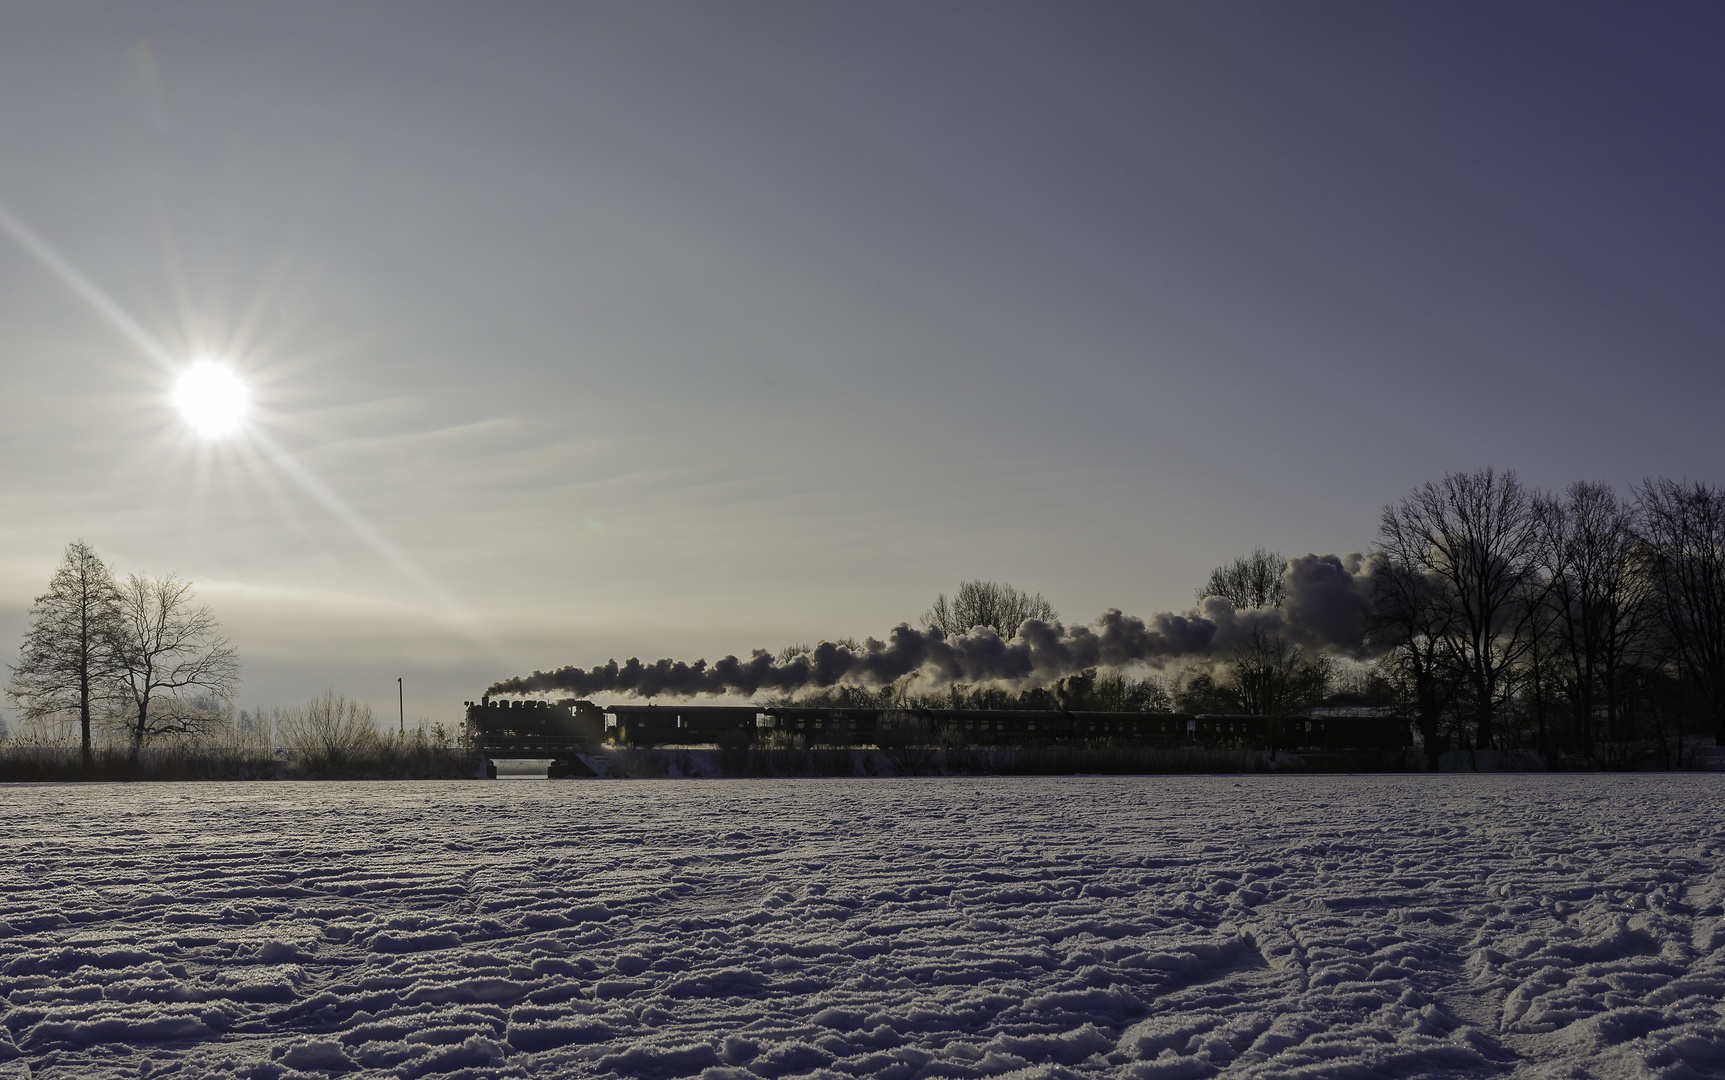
401 704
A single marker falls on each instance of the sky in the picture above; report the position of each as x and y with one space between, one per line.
581 332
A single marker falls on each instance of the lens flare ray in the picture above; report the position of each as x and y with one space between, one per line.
86 289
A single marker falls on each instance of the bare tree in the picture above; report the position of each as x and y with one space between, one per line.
1683 527
1479 534
796 649
1250 581
993 604
1410 622
1542 672
1195 691
1091 690
1269 675
166 655
66 663
1600 592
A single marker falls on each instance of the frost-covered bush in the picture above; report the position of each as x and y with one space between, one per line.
328 731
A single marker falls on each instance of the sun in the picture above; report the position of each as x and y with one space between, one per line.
212 398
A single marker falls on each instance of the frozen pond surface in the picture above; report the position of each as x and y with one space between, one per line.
1143 927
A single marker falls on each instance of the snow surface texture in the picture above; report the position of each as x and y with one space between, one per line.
1163 927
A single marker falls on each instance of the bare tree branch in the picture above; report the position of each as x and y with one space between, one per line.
1250 581
993 604
1683 529
1478 535
168 654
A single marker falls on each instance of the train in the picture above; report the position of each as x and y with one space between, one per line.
547 729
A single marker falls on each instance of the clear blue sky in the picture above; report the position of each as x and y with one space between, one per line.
675 330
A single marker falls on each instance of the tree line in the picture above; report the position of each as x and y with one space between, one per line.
136 655
1585 625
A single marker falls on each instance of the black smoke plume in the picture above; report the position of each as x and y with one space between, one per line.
1325 598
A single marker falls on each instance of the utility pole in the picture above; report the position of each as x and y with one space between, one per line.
401 703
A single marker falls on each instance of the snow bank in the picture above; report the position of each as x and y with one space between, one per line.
1462 925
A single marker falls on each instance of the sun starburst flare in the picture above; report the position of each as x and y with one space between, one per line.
212 398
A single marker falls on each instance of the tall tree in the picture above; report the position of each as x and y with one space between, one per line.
1683 527
167 654
1410 621
1269 675
993 604
66 665
1599 590
1250 581
1478 533
1542 673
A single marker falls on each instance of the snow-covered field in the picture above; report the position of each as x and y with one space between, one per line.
1149 927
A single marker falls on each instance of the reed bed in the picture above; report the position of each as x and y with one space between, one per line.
384 759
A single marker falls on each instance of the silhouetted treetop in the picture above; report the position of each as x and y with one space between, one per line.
993 604
1250 581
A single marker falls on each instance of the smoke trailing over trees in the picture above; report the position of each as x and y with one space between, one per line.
1326 598
1588 627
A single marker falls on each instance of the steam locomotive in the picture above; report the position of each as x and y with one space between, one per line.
543 729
